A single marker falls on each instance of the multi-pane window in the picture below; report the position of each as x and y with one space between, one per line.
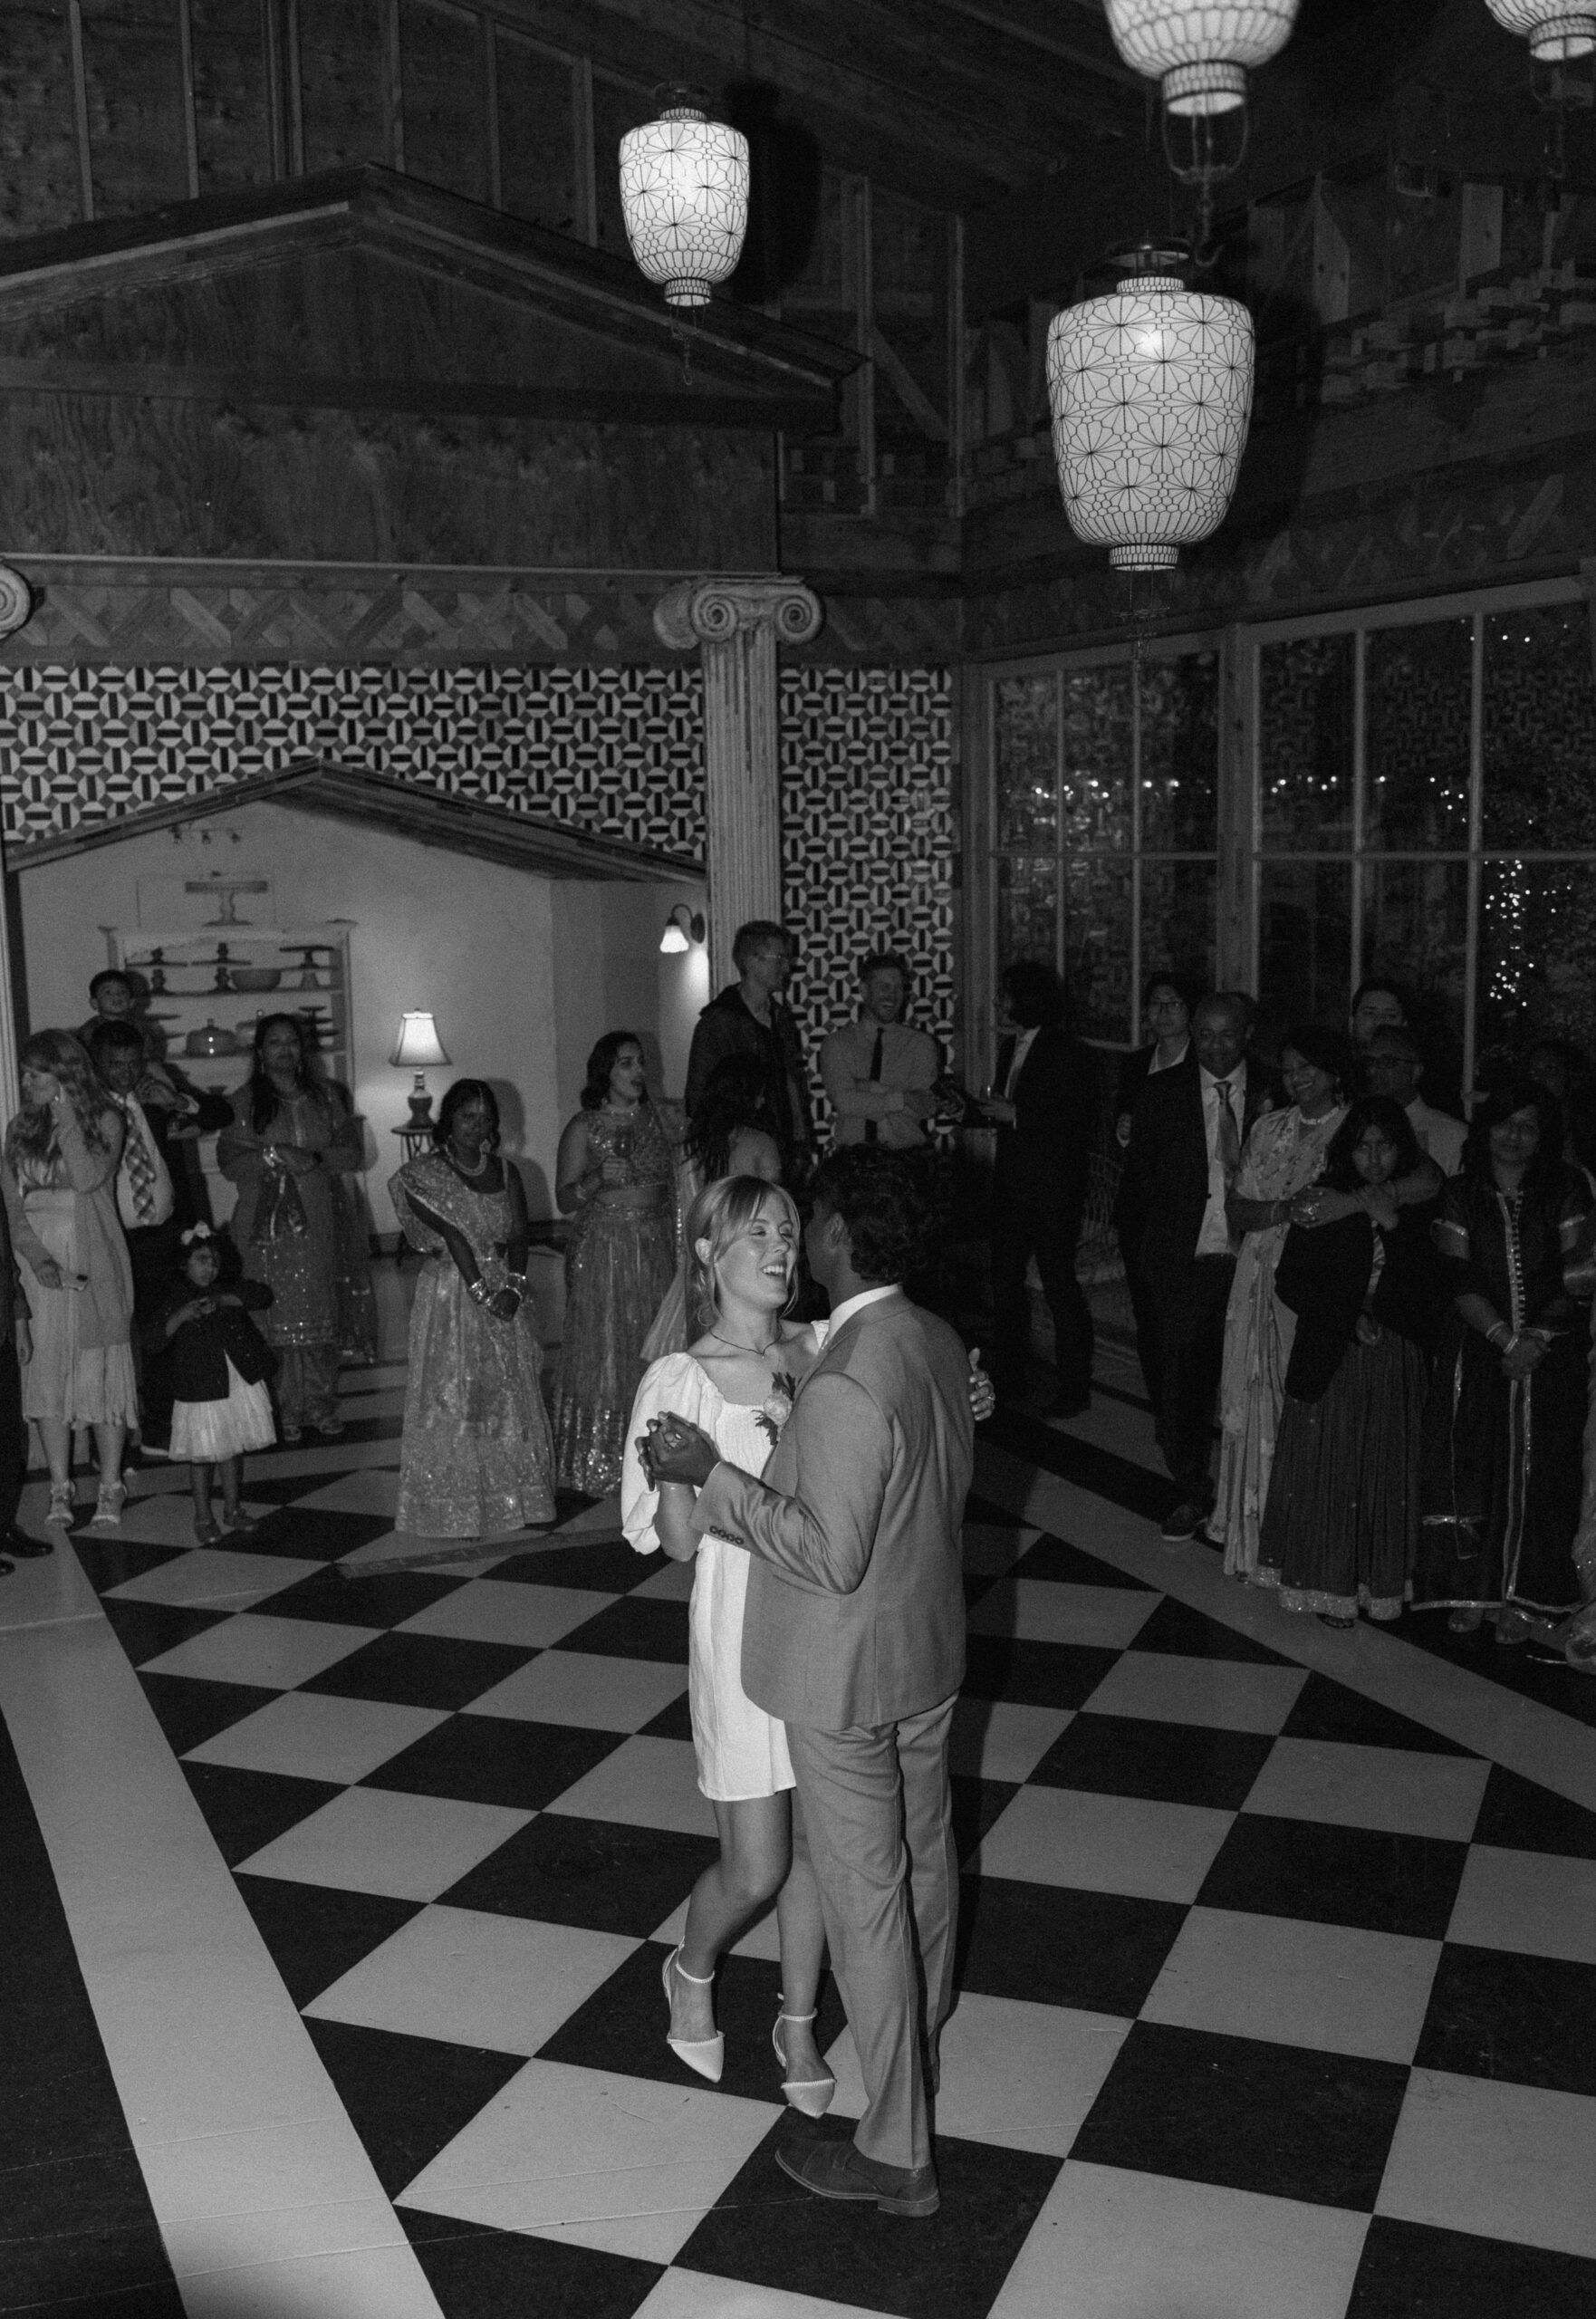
1105 827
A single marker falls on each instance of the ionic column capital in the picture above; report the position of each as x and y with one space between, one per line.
16 600
714 611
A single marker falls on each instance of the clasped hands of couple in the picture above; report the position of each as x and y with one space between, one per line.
674 1449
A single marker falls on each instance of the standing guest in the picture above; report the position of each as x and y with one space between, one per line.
17 1351
1341 1523
292 1140
476 1460
220 1365
61 1153
1393 1065
1044 1116
113 997
1507 1404
750 1017
1166 1004
729 1135
879 1073
1187 1134
854 1636
614 1174
1563 1070
1283 1154
1377 1005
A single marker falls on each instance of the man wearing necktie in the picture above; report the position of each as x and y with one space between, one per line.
878 1073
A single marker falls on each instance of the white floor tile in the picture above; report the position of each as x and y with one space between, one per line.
1103 1844
157 1517
673 1583
1292 1983
1504 2162
1038 1610
1537 1902
1227 1694
317 1737
260 2269
997 1739
1400 1790
643 1784
368 1839
761 1938
1023 2075
255 1648
577 1686
474 1979
490 1609
621 2163
212 1574
1110 2244
694 2295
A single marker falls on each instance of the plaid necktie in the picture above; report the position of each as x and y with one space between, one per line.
872 1130
139 1168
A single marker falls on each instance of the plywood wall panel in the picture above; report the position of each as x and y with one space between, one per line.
537 135
341 83
134 89
230 114
445 140
38 154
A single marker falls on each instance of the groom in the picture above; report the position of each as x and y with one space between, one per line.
854 1636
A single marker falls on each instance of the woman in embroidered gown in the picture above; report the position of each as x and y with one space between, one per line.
615 1176
62 1151
1501 1478
475 1460
292 1142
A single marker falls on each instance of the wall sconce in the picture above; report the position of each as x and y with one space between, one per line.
420 1049
682 927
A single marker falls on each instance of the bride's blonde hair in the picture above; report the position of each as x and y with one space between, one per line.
718 1214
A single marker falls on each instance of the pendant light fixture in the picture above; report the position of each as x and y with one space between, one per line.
684 192
1151 391
1201 56
1556 33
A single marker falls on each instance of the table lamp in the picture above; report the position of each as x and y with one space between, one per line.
418 1049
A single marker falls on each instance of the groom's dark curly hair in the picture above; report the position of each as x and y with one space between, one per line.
881 1201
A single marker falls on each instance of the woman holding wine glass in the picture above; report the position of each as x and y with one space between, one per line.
614 1177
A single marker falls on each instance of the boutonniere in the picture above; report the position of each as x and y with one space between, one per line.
777 1406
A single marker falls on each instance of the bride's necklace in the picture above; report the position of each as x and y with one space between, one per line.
759 1351
459 1165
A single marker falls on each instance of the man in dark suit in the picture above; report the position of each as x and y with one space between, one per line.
1187 1134
854 1635
1045 1107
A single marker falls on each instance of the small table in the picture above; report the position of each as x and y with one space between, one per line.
417 1140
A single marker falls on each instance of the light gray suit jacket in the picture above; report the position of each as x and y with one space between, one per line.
855 1612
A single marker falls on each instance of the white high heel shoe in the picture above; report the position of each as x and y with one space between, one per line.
705 2055
813 2095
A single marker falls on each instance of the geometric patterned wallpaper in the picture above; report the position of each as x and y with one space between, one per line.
870 817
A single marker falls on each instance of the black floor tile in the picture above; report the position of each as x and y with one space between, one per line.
109 1560
1118 1479
1329 1710
988 1511
420 1670
764 2231
977 1804
631 1628
1279 2120
610 1567
674 1721
190 1710
1517 1813
149 2300
1552 1682
481 2273
145 1629
1000 1611
494 1759
1048 1943
1411 2270
1034 1674
281 1489
113 2274
1170 1763
1530 2020
314 1933
1175 1627
345 1599
1356 1876
313 1533
1055 1558
593 1872
245 1810
408 2097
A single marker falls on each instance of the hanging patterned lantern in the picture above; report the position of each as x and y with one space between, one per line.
1151 390
1556 33
684 190
1201 56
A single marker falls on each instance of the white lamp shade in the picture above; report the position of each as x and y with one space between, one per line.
673 940
1555 31
419 1047
1200 55
684 191
1151 390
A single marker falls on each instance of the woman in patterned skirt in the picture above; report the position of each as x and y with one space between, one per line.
475 1460
615 1176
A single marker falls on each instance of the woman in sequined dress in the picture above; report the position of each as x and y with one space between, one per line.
615 1176
475 1460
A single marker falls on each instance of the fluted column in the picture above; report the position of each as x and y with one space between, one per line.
737 625
16 604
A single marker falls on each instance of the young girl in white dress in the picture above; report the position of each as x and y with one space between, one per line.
737 1380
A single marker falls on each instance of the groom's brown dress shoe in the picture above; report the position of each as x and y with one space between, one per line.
835 2170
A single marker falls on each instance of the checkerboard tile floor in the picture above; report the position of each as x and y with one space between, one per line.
1273 2001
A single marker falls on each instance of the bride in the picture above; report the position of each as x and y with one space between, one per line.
737 1380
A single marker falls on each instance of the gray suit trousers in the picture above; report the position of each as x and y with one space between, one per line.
875 1817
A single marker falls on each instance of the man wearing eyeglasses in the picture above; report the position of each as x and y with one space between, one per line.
751 1017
